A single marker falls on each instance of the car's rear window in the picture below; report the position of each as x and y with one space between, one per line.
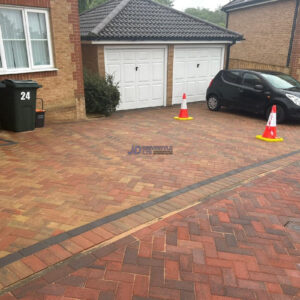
232 76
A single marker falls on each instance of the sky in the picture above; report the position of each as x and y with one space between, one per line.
210 4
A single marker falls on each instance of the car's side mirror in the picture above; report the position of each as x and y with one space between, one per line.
259 87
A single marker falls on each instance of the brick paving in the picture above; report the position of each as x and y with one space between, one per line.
232 246
83 173
67 175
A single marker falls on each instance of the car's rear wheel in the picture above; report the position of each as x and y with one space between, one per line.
213 103
281 114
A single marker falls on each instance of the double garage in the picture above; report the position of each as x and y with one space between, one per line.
142 73
154 53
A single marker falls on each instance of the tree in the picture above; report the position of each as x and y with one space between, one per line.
217 17
166 2
88 4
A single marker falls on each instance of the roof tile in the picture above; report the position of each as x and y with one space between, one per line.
148 20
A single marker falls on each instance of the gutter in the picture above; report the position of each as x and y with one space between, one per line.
156 42
293 33
227 19
228 55
230 45
242 6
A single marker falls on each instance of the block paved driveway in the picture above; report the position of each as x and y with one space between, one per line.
233 246
62 177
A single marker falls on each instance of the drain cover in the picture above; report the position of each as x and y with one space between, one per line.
293 225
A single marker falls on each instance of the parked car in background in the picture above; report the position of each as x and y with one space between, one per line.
255 91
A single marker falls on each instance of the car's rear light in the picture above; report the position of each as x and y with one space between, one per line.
211 82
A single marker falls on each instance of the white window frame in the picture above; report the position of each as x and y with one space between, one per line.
2 54
32 68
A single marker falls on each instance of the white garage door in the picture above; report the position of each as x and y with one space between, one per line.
140 74
194 68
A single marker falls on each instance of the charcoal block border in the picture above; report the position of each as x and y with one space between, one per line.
4 261
7 143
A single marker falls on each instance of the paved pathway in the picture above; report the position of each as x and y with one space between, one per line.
69 187
242 244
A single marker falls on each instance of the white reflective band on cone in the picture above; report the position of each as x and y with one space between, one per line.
183 104
272 120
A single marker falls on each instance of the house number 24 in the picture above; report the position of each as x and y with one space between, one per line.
25 95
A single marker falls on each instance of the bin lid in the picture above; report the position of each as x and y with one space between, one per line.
21 83
2 85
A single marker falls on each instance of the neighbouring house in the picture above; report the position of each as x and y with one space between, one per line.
154 52
40 40
272 34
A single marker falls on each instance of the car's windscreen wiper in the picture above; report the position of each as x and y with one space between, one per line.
293 88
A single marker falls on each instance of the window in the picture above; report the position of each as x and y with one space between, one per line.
39 39
251 80
232 76
24 40
282 81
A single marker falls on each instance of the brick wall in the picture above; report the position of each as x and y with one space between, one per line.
244 64
93 58
295 58
101 60
267 30
90 58
62 90
33 3
170 75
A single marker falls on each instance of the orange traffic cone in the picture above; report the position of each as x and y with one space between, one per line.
270 134
183 114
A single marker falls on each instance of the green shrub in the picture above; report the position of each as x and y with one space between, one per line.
101 94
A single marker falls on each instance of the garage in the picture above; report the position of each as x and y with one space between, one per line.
194 68
140 73
154 52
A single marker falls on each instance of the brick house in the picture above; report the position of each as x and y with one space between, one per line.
271 29
40 40
154 52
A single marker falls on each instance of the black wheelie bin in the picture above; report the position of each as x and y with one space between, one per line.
18 104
